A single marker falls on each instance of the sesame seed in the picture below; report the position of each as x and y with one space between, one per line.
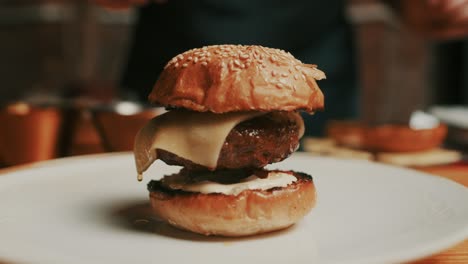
297 67
242 66
190 58
284 74
296 77
303 76
273 73
204 63
237 62
184 65
176 65
195 60
244 56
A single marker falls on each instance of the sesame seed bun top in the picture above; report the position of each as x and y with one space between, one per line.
228 78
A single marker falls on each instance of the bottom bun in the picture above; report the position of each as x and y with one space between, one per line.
248 213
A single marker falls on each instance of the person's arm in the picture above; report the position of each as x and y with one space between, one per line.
440 19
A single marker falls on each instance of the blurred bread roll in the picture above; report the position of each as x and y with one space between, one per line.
328 147
420 159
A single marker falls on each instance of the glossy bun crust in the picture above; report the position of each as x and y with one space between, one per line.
228 78
248 213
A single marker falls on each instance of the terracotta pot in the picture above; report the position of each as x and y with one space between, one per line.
28 134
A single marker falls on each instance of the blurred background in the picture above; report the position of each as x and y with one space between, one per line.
75 73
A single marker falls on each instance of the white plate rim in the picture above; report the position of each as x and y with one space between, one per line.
404 256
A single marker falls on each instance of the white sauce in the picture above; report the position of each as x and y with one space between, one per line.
274 179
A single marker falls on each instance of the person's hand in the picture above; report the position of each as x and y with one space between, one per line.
123 4
441 19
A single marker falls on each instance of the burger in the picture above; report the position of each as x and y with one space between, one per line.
232 110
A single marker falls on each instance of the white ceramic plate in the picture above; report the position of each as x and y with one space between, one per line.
92 210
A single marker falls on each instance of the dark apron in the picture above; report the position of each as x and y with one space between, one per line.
312 30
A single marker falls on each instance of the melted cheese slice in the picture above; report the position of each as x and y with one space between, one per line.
194 136
274 179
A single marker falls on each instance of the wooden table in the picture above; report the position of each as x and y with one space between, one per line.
458 254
